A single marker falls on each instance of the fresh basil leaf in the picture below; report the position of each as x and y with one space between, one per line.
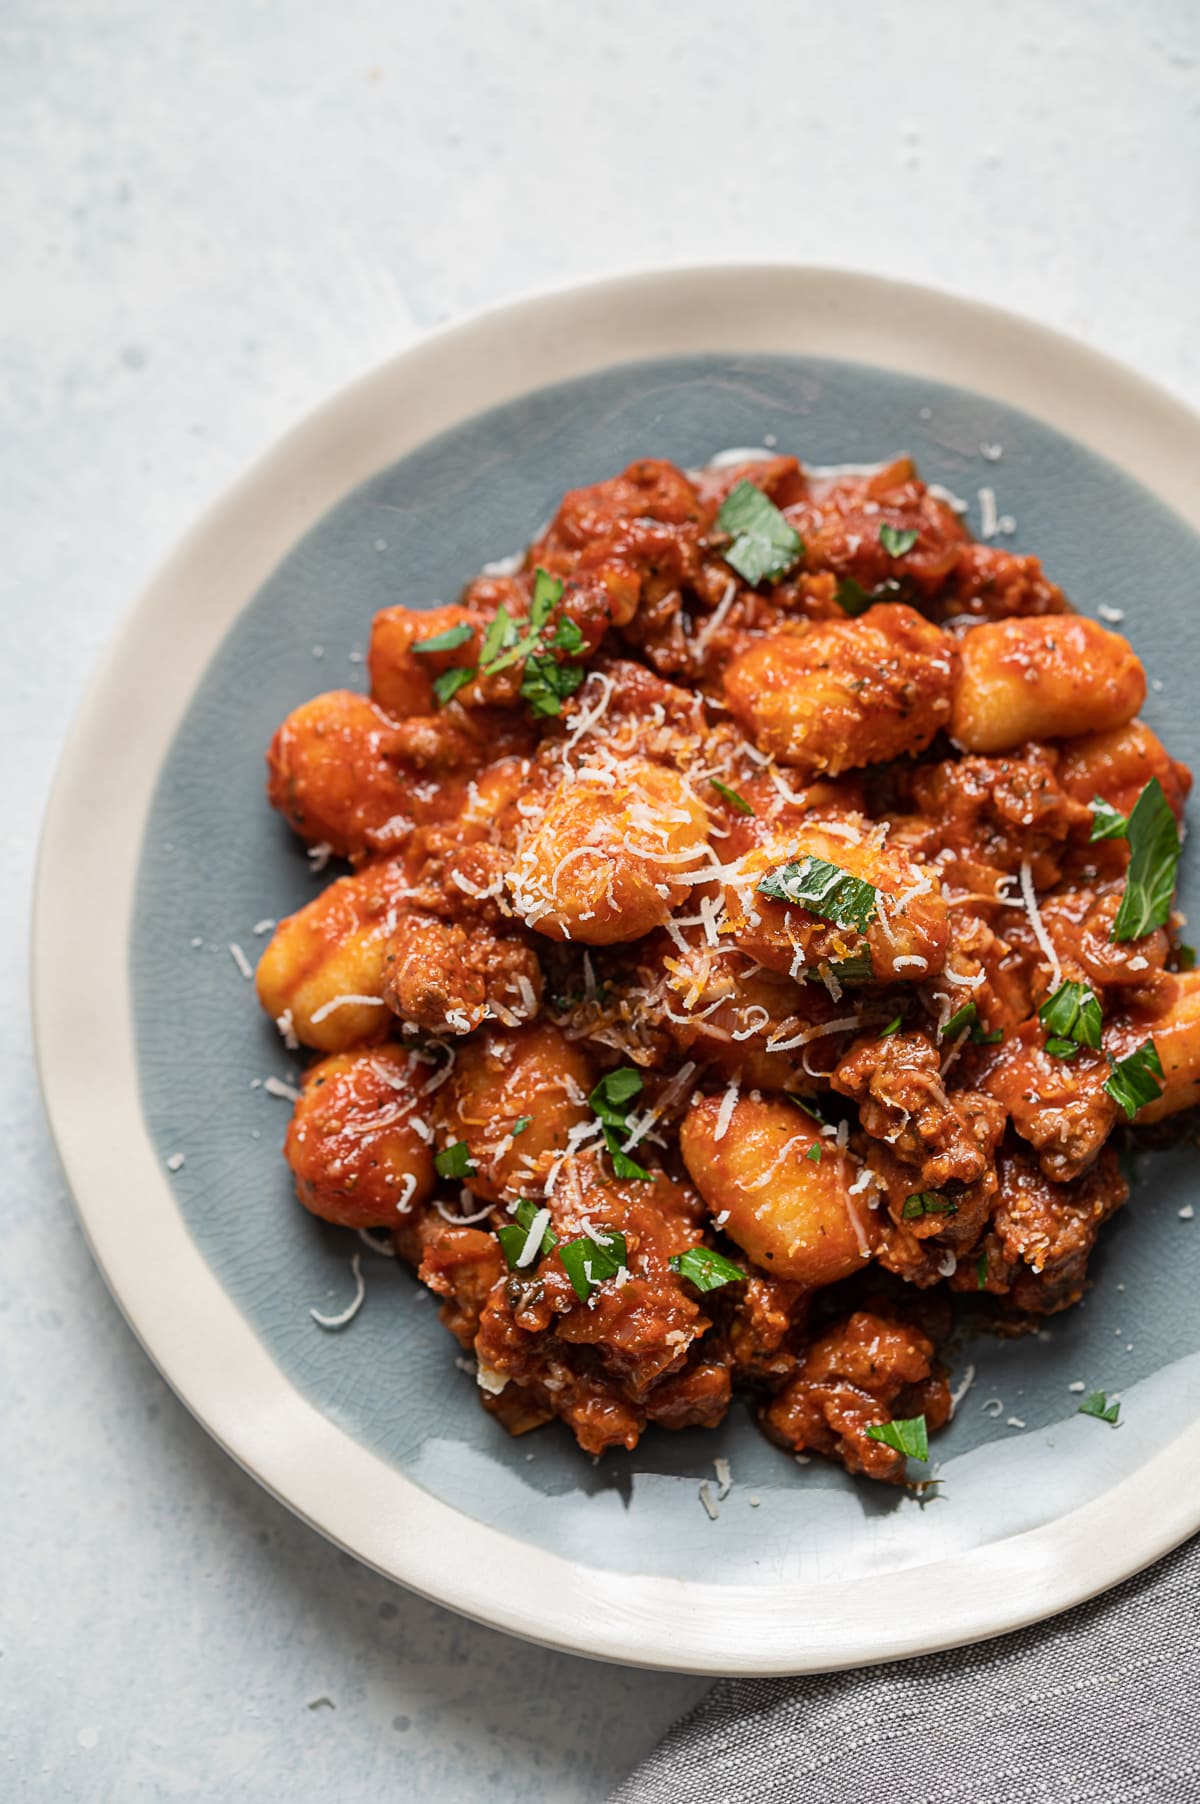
1107 822
705 1268
588 1264
612 1096
1099 1406
927 1202
545 684
450 640
514 1235
731 796
825 890
623 1166
447 683
1185 958
547 593
910 1436
893 1027
979 1038
764 545
454 1161
896 540
1072 1013
852 598
814 1152
1154 848
520 1124
1059 1048
1137 1079
966 1016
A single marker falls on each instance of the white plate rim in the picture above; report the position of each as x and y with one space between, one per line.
84 1028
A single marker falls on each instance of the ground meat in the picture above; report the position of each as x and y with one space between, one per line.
948 1137
867 1369
1059 1106
440 973
1042 1233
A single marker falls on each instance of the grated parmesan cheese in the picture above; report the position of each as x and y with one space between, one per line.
348 1001
1035 921
351 1310
240 960
275 1086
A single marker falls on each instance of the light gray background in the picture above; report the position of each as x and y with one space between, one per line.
209 219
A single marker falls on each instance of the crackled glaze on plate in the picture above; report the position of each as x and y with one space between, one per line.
374 1433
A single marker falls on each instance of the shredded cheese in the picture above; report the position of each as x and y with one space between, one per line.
348 1001
348 1314
240 960
1039 929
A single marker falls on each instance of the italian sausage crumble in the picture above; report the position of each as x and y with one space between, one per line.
758 921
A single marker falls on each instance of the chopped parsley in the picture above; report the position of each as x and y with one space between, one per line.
968 1017
1072 1016
545 681
1154 848
447 683
731 796
1136 1079
1107 822
609 1102
450 640
1099 1406
893 1027
927 1202
814 1152
454 1161
764 545
546 684
896 540
520 1124
587 1263
513 1235
909 1436
705 1268
825 890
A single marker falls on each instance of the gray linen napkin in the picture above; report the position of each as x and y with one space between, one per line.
1099 1706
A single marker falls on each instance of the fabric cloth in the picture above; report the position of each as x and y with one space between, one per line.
1098 1706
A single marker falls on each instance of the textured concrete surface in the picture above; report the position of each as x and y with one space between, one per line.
212 217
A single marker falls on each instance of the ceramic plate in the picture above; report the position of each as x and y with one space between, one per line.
160 855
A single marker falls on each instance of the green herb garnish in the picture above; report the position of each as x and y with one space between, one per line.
731 796
909 1436
1099 1406
1072 1014
588 1263
609 1102
814 1152
546 684
1185 958
852 598
825 890
764 545
450 640
896 540
1061 1049
1107 822
705 1268
893 1027
927 1202
514 1235
447 683
520 1124
1137 1079
454 1161
968 1017
1154 848
981 1272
